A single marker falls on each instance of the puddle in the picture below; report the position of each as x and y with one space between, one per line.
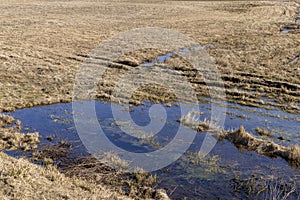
285 30
185 177
167 56
297 20
293 61
292 27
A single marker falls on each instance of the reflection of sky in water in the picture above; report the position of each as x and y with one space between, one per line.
57 120
285 30
293 61
163 58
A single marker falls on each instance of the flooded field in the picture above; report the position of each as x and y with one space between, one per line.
226 169
254 46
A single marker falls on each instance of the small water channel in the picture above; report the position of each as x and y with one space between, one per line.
167 56
212 178
294 26
218 176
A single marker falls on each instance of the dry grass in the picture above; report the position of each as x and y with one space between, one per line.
192 120
43 44
20 179
11 137
263 132
247 141
137 185
41 53
85 178
244 140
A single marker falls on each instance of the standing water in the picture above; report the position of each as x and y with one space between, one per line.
225 173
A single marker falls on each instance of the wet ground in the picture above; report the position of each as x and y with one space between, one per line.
293 26
219 175
251 53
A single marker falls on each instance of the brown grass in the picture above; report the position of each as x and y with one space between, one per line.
20 179
11 137
85 177
267 187
42 47
192 120
263 132
247 141
41 54
137 185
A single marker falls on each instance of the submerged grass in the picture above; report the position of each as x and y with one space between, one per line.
264 132
61 176
137 185
38 68
262 187
245 140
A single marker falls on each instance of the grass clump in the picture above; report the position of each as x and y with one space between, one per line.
263 132
11 137
244 140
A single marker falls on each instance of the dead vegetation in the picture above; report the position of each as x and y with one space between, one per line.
137 185
270 187
20 179
264 132
42 47
194 123
245 140
85 177
250 52
11 137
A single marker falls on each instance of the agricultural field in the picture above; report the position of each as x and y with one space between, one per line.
49 50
